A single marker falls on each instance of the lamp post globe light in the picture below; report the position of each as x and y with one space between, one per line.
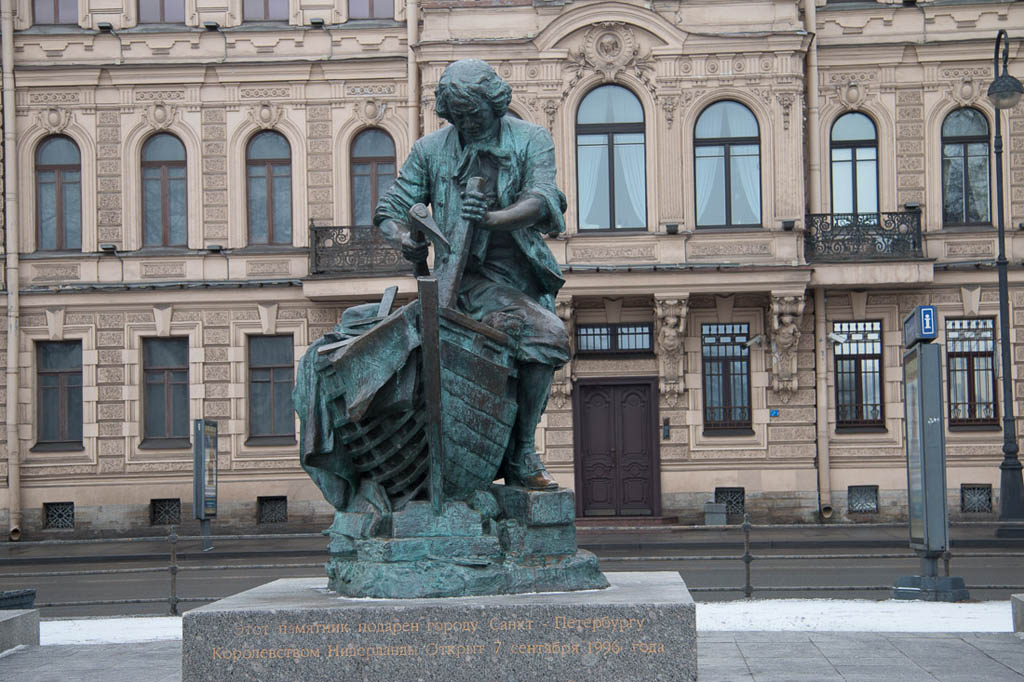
1004 93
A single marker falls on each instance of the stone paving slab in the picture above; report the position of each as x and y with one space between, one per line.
993 657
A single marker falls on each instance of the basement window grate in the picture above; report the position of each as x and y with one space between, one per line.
165 512
976 498
58 515
862 499
272 509
733 498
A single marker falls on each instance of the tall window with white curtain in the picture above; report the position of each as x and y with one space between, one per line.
163 191
727 165
268 166
58 195
373 171
854 165
965 174
611 180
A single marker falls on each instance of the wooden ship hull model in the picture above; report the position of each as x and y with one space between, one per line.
474 406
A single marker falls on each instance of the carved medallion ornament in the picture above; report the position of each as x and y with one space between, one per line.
370 111
853 94
265 115
786 312
609 48
54 120
159 115
671 323
966 91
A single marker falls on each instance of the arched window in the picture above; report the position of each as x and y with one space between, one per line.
58 195
268 164
611 180
727 165
163 192
373 171
854 165
965 184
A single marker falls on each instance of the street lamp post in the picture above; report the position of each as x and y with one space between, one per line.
1004 93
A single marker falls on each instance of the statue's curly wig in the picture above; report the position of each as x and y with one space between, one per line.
470 82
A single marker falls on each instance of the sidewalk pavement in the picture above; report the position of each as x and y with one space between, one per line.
722 657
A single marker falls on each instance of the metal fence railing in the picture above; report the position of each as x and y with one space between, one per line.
174 564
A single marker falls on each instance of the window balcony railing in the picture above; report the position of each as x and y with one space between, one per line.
837 237
353 251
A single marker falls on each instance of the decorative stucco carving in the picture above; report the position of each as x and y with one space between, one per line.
370 90
966 91
370 111
669 105
55 323
265 114
786 100
671 322
265 93
159 115
561 385
786 314
54 119
609 48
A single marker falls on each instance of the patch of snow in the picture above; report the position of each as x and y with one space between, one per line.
806 615
854 615
109 630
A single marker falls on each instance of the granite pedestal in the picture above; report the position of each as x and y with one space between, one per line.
643 627
17 627
1017 607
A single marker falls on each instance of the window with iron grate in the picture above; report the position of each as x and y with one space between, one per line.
976 498
726 374
862 499
734 500
614 338
58 515
272 509
970 370
858 363
165 512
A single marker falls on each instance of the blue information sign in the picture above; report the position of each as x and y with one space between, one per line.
920 325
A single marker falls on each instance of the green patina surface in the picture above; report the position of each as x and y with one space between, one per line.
408 416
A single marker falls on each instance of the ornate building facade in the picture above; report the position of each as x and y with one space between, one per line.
758 192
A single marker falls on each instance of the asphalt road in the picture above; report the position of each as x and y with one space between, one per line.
303 557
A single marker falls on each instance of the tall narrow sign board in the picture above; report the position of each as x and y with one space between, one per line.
925 436
204 476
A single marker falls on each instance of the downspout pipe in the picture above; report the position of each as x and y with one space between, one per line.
813 117
814 206
820 370
412 32
13 281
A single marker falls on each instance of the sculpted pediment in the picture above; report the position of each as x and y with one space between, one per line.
595 28
610 48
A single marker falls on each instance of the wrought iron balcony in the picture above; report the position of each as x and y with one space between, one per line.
353 251
838 237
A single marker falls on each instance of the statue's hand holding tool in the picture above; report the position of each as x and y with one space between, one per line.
474 206
414 239
413 249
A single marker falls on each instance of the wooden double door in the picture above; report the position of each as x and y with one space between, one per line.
616 441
